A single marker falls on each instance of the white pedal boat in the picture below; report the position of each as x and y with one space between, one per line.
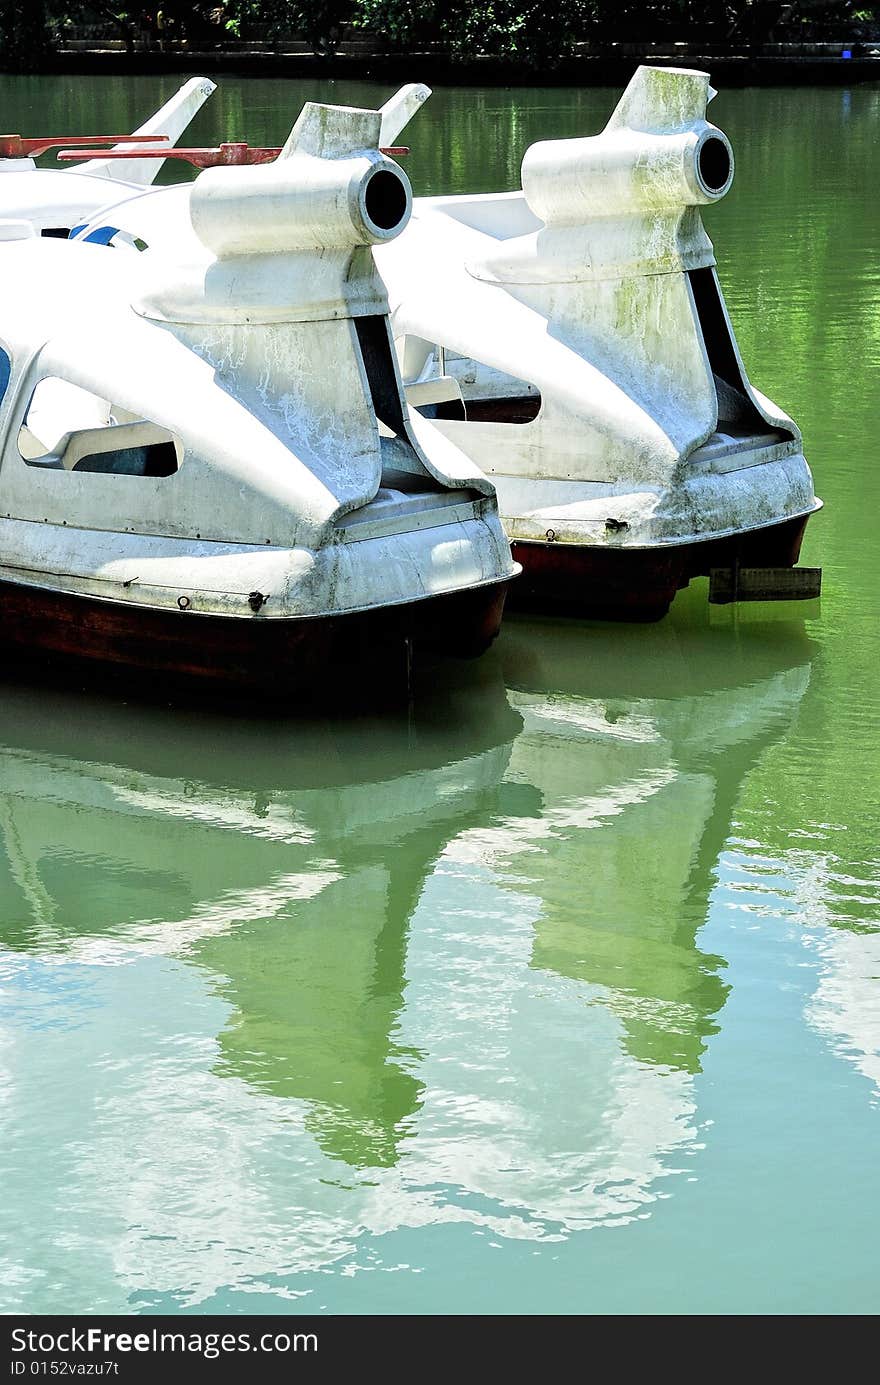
208 467
572 338
55 200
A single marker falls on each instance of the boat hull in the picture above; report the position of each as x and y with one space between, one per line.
639 584
280 657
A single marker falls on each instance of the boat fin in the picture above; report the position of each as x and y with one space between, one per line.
662 100
329 132
400 109
328 197
332 132
171 120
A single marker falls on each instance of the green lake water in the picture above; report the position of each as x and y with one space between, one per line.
560 994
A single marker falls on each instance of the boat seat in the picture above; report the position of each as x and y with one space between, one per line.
57 409
48 462
139 448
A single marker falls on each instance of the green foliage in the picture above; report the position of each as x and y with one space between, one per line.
319 22
403 24
24 34
517 30
520 30
526 33
540 33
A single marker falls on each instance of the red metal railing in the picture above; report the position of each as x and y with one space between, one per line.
14 147
224 154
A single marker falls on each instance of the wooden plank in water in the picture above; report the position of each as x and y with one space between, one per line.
764 584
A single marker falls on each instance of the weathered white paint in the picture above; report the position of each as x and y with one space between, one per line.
171 120
16 230
53 197
157 217
400 109
576 289
250 364
313 211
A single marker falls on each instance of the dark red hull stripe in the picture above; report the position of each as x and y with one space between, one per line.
639 583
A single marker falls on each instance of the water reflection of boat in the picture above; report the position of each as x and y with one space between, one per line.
313 849
589 1002
622 906
406 974
845 1008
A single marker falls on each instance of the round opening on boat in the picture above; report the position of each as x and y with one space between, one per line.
386 201
714 164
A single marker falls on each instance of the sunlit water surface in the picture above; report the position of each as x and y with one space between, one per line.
561 994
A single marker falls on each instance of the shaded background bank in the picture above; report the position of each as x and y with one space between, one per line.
592 40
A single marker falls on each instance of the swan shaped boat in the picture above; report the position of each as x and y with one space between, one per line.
55 200
572 339
208 465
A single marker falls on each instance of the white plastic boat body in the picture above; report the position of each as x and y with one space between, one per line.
208 467
590 366
54 200
573 340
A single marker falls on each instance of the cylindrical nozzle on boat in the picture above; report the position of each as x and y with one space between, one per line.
573 180
301 203
289 238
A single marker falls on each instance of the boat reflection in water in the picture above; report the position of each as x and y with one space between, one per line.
566 1056
668 723
310 843
277 990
